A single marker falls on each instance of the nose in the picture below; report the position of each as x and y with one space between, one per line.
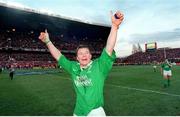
83 56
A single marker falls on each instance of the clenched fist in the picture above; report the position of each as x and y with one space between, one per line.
44 37
117 18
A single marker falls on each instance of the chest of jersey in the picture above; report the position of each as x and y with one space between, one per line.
88 80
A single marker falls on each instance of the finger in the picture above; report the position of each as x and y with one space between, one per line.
119 14
41 35
46 31
121 19
122 15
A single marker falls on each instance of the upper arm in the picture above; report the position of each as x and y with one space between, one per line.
106 61
109 51
65 63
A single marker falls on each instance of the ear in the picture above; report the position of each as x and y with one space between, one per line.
90 56
77 58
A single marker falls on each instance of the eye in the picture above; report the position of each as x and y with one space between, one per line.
87 52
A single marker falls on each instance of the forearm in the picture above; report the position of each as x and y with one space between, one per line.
54 51
111 40
44 37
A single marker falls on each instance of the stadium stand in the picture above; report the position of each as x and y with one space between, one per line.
19 44
149 57
20 47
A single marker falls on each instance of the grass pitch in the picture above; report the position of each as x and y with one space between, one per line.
129 90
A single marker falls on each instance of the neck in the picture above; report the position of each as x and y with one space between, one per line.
85 66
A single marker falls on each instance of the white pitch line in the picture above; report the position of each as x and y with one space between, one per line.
145 90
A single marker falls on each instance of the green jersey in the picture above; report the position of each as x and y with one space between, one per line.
166 67
88 82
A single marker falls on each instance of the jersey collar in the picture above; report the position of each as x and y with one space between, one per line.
88 65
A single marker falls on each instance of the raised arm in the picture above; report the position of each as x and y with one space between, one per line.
116 20
44 37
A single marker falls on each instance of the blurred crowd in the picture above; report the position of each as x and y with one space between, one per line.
158 56
25 50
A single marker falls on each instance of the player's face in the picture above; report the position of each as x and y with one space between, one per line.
84 56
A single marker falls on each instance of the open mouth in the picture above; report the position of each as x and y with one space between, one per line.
84 59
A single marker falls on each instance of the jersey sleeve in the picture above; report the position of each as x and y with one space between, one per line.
65 63
162 66
106 62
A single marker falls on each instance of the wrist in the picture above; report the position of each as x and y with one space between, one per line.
48 42
115 26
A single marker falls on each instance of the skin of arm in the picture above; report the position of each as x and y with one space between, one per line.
44 37
113 33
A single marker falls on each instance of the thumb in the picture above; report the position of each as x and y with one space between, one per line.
46 31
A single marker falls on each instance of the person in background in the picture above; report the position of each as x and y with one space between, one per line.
11 73
166 72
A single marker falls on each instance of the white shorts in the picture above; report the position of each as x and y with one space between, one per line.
96 112
167 73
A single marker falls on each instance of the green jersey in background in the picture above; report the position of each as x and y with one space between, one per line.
166 67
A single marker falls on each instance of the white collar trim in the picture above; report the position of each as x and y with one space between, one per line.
89 64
